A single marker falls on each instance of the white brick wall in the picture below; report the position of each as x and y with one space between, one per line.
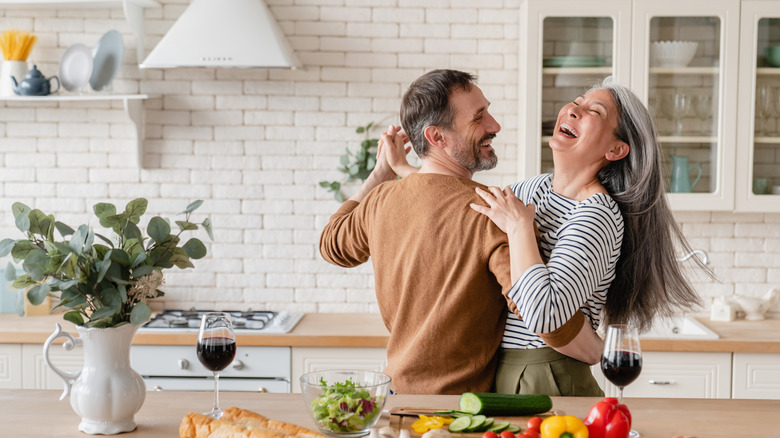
254 143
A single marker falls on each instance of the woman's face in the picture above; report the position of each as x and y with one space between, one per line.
585 129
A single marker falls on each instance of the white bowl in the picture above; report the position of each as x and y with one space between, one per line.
672 53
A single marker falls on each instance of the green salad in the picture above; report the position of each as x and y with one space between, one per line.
343 407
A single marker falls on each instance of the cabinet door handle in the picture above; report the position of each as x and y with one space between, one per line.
184 364
660 382
238 365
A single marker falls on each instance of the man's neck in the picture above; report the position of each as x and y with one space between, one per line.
437 161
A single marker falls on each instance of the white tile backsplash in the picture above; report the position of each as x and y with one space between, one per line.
255 143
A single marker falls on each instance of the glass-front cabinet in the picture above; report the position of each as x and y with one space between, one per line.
758 151
680 58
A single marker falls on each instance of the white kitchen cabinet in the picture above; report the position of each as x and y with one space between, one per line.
677 375
38 375
569 45
756 376
758 160
308 359
10 366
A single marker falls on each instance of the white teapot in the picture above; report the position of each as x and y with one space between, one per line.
755 308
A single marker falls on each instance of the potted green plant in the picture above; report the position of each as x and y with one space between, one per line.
105 283
356 166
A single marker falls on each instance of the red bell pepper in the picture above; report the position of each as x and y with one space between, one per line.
608 419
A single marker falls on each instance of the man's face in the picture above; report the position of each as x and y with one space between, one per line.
473 131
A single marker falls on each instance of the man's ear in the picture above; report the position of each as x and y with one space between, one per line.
435 136
618 152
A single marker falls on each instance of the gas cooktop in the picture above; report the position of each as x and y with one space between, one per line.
256 321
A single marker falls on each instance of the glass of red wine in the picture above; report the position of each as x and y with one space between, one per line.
621 361
216 349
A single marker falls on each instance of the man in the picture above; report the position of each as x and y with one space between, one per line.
440 268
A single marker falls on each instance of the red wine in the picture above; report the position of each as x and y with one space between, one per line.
621 367
216 353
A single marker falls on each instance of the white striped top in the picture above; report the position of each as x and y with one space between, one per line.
580 245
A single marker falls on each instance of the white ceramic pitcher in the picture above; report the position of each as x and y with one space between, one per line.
107 392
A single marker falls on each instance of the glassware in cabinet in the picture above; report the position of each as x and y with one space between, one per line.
758 160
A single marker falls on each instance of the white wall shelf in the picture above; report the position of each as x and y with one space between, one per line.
133 9
133 103
577 70
684 70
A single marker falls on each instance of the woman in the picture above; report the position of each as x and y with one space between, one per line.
607 240
608 235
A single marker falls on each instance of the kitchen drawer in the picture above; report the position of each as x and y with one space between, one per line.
756 376
38 375
680 375
207 384
182 361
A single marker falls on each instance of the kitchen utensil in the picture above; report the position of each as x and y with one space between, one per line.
574 61
8 70
772 55
16 45
764 110
76 67
107 60
677 106
331 397
702 107
34 84
681 174
672 53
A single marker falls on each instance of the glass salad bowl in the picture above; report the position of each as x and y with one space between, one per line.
345 403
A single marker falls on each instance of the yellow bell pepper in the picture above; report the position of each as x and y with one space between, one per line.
563 426
426 423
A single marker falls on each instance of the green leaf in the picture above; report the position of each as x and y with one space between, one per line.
17 208
140 314
35 264
38 293
22 222
193 206
104 211
344 160
158 229
139 258
105 239
111 297
135 209
325 184
23 282
102 266
142 270
36 217
360 130
64 230
101 313
5 246
69 266
195 248
77 239
74 316
339 197
10 272
184 225
121 257
354 169
180 259
131 231
370 164
207 226
22 248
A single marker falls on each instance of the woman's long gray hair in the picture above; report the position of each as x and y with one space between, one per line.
649 281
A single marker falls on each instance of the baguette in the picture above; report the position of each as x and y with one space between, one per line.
240 423
256 420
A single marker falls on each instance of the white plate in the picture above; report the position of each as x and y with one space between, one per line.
108 59
75 67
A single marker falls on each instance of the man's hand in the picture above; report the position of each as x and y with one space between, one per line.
392 144
390 140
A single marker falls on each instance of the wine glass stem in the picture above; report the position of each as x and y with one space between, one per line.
620 395
215 409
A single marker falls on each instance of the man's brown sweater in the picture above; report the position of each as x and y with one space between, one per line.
441 271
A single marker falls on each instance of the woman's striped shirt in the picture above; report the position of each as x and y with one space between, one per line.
580 245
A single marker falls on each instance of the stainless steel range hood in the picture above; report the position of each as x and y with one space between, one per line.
224 33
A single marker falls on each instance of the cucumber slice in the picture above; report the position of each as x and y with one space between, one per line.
513 428
486 424
476 423
499 426
459 424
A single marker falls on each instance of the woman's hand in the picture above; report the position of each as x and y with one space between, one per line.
505 210
392 144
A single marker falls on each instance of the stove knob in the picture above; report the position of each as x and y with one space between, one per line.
184 364
158 388
238 365
262 389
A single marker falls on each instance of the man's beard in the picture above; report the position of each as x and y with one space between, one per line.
470 155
